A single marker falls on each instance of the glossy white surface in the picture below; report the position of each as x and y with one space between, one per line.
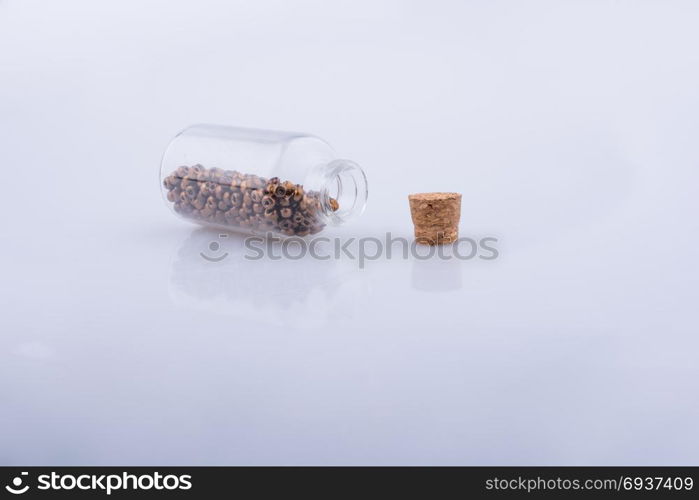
570 128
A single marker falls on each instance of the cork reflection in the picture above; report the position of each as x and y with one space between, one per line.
437 275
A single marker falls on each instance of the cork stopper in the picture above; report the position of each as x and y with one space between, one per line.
435 217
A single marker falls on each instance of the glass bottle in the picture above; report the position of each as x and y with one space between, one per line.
260 181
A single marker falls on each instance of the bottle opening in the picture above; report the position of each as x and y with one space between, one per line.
345 191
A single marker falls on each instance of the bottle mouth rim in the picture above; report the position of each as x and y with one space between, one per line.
346 184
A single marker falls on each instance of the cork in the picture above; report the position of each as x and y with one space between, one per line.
435 217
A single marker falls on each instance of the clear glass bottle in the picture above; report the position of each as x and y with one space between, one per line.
260 181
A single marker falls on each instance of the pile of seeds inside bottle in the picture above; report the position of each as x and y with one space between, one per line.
230 198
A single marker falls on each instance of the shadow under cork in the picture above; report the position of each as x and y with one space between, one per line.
211 273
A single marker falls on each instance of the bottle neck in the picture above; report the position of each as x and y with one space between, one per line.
343 190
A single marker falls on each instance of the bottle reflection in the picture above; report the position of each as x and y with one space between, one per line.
210 273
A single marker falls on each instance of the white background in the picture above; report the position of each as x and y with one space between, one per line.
570 128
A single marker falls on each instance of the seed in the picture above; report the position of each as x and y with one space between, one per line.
199 202
333 204
256 182
236 199
272 185
286 212
279 191
220 192
207 188
191 191
257 208
298 192
288 188
170 182
256 196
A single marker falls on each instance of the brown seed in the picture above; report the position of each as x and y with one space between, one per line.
288 188
199 202
285 224
259 182
191 191
256 196
298 192
286 212
267 201
333 204
226 178
272 185
306 203
257 208
236 199
171 182
207 188
181 171
279 191
259 220
285 202
298 218
186 181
